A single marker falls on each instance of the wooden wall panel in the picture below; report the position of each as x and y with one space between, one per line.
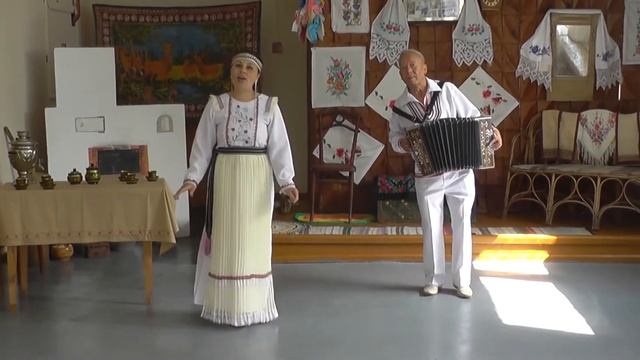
511 27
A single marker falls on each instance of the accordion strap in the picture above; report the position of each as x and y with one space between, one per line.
428 111
404 114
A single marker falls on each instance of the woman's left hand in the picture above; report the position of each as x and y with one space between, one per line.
496 143
292 194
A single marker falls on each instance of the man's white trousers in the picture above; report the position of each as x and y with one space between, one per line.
459 189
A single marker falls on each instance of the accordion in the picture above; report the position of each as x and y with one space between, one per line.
452 144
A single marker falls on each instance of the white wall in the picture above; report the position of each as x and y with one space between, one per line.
23 78
85 87
285 74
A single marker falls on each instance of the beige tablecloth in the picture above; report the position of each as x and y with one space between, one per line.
109 211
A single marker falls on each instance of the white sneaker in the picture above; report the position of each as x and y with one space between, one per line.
464 292
430 290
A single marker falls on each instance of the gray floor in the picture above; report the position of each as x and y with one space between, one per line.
94 309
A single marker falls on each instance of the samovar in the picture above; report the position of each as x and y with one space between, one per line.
23 153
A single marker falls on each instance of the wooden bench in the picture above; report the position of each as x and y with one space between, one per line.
590 158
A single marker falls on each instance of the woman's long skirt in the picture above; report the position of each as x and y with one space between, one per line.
234 283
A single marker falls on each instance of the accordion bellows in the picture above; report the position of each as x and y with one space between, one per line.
450 144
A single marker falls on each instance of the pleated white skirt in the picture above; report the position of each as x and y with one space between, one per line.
234 283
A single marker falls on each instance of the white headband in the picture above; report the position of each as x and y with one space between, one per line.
246 56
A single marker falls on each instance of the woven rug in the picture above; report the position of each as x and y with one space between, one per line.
356 219
295 228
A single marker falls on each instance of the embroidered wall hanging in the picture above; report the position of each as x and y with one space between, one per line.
338 140
385 94
631 37
350 16
488 96
390 32
337 77
154 63
535 53
472 37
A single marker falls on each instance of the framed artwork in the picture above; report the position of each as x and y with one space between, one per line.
385 94
337 76
175 54
336 142
434 10
631 36
488 96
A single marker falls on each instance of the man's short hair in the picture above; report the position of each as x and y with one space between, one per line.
412 52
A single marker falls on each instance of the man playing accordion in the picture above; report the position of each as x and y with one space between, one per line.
424 100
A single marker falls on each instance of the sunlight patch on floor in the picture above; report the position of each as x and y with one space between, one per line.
534 304
530 262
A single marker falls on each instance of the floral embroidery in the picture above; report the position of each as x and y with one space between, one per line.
606 55
539 50
473 30
352 12
491 98
340 153
338 77
241 125
598 127
392 28
396 184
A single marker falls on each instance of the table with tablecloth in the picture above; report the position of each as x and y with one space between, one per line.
111 211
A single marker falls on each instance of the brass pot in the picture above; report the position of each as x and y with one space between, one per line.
123 175
92 176
152 176
47 183
74 177
62 252
132 179
21 183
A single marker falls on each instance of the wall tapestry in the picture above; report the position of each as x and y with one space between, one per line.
488 96
337 76
385 94
631 37
350 16
337 143
175 54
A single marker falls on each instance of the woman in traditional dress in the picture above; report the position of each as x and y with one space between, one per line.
242 140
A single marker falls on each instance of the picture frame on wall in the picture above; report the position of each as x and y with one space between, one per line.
434 10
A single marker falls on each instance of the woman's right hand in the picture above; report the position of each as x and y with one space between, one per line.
189 186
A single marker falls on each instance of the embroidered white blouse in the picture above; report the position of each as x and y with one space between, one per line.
452 103
226 122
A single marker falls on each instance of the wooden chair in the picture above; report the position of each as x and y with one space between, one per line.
325 120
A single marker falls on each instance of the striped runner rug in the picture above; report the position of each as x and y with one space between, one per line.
295 228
